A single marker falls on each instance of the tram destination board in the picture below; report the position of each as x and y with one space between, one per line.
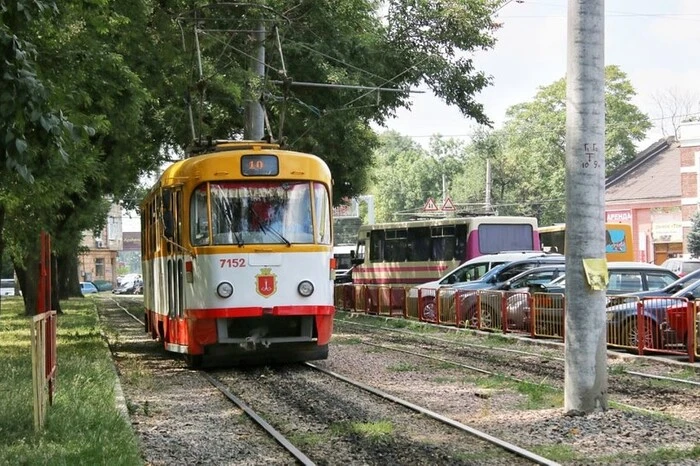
259 165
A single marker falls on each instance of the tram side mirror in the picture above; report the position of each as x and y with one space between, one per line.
168 224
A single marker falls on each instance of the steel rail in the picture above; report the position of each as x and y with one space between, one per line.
525 353
661 377
445 420
281 439
442 340
454 363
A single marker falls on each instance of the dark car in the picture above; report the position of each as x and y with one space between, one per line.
344 276
498 278
659 327
623 278
102 285
668 290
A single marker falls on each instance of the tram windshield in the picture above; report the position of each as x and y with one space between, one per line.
260 212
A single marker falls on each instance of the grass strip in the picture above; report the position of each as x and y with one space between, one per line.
83 426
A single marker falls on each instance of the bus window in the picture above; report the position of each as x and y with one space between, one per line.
443 241
419 244
396 245
376 246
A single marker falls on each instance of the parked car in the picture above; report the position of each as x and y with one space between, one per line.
344 276
474 269
7 287
668 290
498 278
88 288
681 266
665 319
623 278
527 282
102 285
133 287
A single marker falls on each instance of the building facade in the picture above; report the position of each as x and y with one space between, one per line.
657 193
99 259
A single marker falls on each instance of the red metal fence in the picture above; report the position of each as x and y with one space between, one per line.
653 324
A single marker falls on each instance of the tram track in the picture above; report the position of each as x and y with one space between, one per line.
500 350
302 458
331 422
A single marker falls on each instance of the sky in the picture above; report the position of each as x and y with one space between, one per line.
655 42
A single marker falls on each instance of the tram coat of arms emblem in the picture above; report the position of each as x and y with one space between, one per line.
266 282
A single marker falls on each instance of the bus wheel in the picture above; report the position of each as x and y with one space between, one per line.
193 361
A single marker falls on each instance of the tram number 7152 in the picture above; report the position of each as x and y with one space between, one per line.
232 263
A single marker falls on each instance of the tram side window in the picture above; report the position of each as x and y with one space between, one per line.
419 244
443 243
199 223
376 246
322 207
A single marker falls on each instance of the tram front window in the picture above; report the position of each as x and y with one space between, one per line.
256 212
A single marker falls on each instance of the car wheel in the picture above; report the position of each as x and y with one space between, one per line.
489 316
651 334
429 310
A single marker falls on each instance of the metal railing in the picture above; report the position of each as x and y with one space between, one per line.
651 324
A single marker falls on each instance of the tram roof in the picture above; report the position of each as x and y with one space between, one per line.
201 164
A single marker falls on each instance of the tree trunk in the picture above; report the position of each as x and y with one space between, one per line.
585 367
55 302
28 278
67 267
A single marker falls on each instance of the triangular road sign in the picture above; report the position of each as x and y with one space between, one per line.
448 205
430 206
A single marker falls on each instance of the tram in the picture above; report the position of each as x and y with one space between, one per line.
237 255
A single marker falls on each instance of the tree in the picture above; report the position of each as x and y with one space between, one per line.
124 70
675 107
535 141
694 235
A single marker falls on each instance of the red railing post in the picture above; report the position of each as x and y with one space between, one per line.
690 334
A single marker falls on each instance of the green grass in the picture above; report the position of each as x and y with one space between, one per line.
83 426
370 430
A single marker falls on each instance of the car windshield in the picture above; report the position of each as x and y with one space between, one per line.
559 281
493 272
693 288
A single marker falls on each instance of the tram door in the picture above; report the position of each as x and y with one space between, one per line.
174 267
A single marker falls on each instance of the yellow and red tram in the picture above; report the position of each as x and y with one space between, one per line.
237 255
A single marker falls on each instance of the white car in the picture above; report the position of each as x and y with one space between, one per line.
7 287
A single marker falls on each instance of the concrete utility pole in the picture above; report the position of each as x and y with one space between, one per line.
585 374
255 119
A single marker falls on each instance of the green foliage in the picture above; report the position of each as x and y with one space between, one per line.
83 424
528 154
694 236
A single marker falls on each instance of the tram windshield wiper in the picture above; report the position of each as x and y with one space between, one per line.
266 229
239 238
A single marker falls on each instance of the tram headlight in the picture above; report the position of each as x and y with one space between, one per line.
305 288
225 289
